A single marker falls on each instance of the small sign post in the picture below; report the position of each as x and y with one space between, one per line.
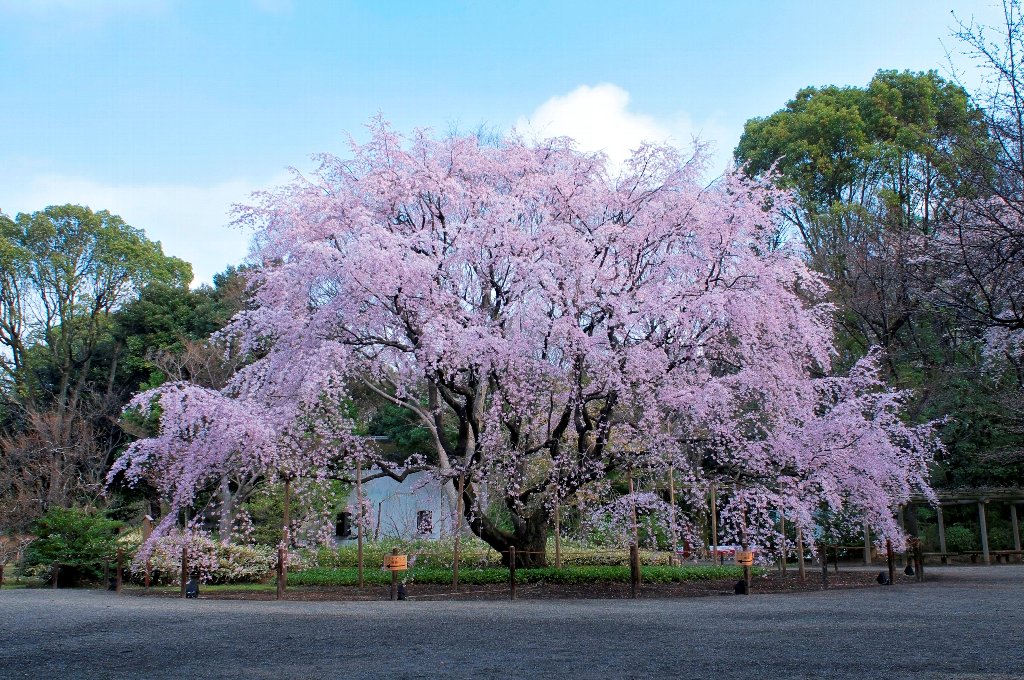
745 558
395 563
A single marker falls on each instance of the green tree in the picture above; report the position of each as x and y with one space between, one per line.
64 272
77 540
165 331
66 268
874 172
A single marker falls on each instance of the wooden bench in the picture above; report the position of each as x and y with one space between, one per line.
997 555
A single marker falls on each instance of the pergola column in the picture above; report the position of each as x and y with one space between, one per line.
867 543
942 532
983 530
1016 525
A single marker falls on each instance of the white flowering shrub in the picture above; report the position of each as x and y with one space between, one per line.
211 561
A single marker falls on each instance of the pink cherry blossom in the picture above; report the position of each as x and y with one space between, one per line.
565 319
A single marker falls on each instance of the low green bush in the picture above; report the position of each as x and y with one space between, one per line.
473 553
348 576
960 538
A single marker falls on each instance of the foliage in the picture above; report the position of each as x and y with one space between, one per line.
405 433
473 553
66 274
313 509
491 576
431 553
211 561
65 270
79 541
881 177
960 538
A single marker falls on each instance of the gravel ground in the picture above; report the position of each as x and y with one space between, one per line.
966 623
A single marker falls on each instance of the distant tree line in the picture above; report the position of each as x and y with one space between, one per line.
908 196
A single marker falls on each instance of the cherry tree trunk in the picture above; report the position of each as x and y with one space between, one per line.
529 537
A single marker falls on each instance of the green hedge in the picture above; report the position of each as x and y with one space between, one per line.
567 575
474 553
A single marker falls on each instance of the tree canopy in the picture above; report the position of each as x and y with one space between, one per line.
551 323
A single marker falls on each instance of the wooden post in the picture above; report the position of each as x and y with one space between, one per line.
745 545
891 561
942 533
394 579
636 525
835 557
359 521
672 517
106 574
1 575
903 530
983 530
184 569
558 532
823 558
918 561
782 550
800 554
512 572
456 552
120 570
1016 528
56 574
867 543
147 530
634 570
286 538
714 524
280 572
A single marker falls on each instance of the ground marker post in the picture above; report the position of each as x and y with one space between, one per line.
56 572
823 558
120 570
745 558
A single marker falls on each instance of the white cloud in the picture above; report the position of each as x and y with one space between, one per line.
599 118
190 221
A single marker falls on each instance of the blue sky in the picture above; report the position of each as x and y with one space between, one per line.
167 112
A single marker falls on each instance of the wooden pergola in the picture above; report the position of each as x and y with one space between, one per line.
981 498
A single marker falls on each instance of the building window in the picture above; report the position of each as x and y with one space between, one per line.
343 525
424 522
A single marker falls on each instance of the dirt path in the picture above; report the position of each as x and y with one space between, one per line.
967 623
